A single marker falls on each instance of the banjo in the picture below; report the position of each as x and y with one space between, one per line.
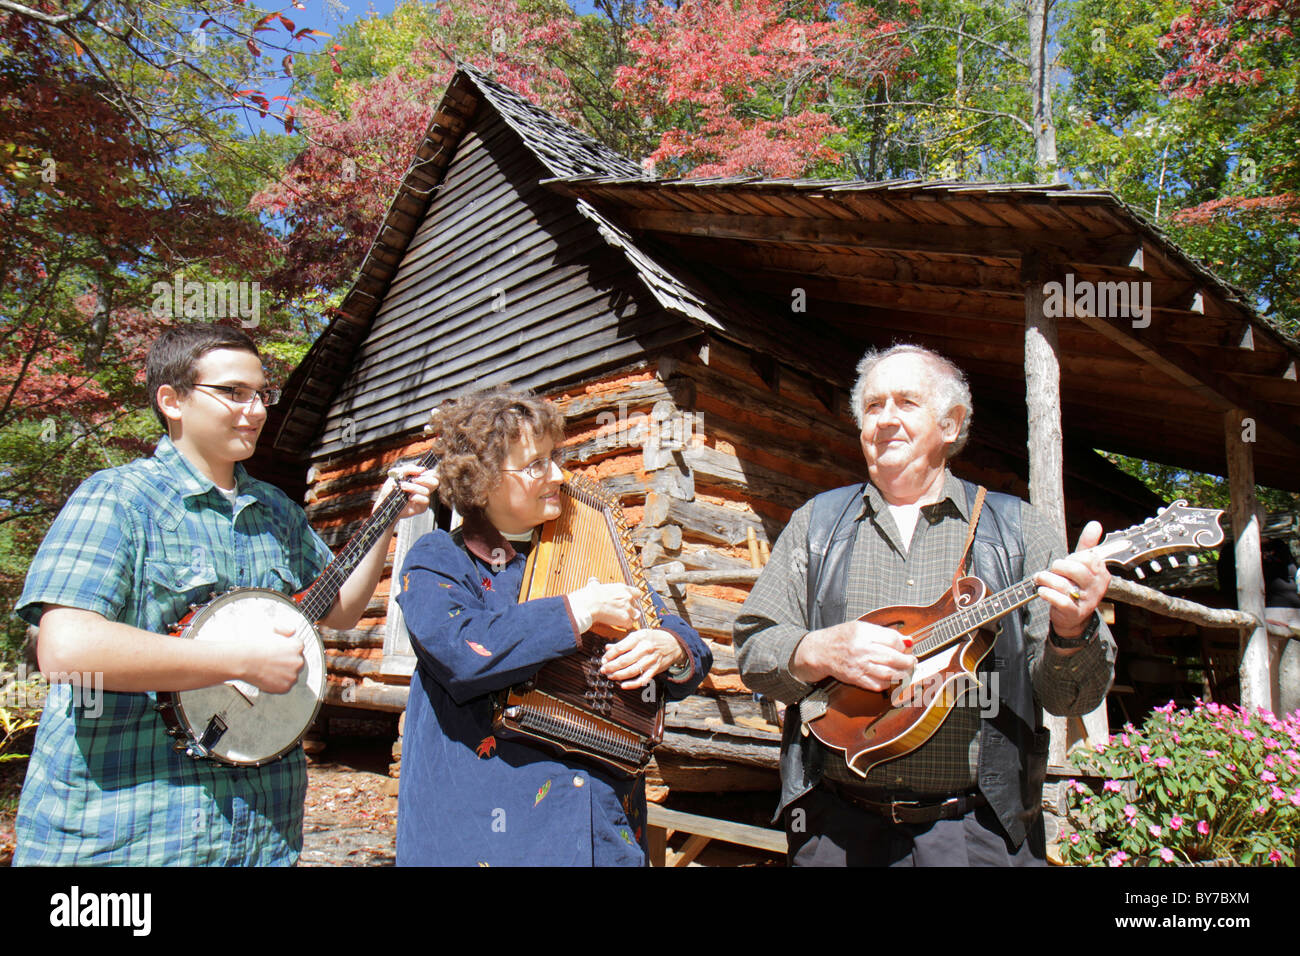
235 723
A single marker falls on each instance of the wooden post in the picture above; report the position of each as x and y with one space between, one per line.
1257 676
1047 464
1043 399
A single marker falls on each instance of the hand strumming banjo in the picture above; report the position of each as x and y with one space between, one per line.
236 723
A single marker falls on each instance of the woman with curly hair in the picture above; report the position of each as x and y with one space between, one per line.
468 795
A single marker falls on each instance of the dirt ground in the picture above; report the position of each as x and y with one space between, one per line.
351 817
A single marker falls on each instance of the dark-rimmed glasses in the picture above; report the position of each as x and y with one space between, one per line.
243 395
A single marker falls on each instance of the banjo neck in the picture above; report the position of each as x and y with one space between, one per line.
316 601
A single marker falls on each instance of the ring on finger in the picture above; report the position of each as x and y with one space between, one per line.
1075 594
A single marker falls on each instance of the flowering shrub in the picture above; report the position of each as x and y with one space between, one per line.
1209 783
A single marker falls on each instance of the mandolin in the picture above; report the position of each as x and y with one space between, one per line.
952 636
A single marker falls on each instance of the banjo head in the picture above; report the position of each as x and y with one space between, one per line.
258 726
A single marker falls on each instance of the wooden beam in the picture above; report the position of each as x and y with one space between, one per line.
740 833
1150 599
1258 685
1181 364
979 241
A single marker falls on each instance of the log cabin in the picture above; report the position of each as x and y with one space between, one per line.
701 336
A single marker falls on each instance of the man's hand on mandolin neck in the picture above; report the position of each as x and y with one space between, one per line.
1074 586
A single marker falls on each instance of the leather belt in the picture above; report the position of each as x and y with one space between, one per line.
922 810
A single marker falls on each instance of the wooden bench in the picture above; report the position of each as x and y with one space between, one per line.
664 822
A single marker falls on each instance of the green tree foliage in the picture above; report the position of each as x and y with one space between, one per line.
125 161
1208 155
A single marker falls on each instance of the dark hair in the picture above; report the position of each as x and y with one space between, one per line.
473 438
173 356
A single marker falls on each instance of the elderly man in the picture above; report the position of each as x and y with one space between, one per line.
969 795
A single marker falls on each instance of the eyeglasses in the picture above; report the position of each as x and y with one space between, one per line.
243 395
542 466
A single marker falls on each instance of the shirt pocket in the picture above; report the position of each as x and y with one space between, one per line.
174 587
282 578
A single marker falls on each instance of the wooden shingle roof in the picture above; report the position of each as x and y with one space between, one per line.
948 265
942 263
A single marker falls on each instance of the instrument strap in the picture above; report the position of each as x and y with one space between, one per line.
970 536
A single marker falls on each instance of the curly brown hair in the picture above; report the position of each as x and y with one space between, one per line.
474 435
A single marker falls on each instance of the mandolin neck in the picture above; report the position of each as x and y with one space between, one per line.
946 630
317 600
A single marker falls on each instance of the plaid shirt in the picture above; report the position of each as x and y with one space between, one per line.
774 621
138 544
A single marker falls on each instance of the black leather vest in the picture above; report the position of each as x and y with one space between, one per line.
1013 743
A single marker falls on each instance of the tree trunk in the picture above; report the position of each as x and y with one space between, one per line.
1040 91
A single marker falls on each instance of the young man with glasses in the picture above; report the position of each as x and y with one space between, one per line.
131 550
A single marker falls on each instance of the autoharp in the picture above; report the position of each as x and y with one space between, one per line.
569 704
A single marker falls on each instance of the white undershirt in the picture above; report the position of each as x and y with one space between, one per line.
231 495
905 517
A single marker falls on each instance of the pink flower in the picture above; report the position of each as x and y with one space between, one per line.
1119 858
1177 739
1111 785
1270 760
1270 743
1248 735
1210 753
1167 854
1295 798
1145 751
1268 776
1277 793
1074 838
1124 737
1163 762
1261 809
1166 709
1203 828
1274 856
1130 811
1175 822
1154 830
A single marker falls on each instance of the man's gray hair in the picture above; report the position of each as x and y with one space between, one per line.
946 389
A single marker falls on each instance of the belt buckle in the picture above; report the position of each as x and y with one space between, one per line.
893 808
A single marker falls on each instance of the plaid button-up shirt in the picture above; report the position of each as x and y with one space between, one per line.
885 573
138 544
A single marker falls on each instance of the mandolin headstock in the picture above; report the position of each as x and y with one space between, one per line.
1177 527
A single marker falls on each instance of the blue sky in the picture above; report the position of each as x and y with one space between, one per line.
341 12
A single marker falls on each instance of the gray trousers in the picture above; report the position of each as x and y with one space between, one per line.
824 830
